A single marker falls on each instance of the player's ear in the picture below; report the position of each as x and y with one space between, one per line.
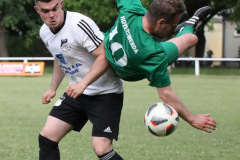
36 9
61 2
161 21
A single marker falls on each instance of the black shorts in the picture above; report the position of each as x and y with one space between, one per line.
104 112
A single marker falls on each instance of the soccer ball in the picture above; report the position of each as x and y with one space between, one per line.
161 119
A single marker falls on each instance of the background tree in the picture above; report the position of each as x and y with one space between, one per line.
236 15
103 12
19 20
217 7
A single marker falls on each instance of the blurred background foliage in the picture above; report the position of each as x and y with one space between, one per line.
20 24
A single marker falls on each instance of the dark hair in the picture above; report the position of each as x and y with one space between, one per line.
164 9
43 1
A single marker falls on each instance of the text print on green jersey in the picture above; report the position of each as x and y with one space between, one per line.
117 46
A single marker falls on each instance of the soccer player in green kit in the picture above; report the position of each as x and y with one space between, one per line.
136 49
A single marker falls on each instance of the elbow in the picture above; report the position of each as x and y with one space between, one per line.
165 96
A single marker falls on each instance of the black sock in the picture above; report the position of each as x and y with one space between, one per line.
112 155
48 149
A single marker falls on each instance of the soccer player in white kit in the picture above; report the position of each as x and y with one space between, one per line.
74 41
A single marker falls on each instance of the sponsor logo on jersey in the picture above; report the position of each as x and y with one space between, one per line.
61 58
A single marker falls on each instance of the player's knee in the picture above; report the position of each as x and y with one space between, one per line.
192 39
101 150
101 145
46 144
188 40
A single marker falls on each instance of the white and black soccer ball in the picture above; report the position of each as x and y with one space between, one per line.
161 119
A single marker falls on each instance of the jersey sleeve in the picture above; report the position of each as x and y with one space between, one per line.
155 68
133 6
171 51
89 34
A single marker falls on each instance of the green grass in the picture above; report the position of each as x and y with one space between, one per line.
22 116
207 71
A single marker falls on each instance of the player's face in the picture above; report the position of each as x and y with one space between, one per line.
51 13
164 29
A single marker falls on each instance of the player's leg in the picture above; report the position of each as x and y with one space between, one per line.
104 150
175 47
104 113
53 131
186 38
101 145
184 42
196 20
66 115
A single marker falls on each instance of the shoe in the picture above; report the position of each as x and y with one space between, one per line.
196 20
183 17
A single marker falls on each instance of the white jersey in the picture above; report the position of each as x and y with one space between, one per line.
72 45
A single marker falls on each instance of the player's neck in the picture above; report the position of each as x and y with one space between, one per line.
147 26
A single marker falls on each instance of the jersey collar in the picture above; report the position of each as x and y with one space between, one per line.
65 15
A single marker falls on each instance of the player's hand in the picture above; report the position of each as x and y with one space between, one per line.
75 90
204 122
47 96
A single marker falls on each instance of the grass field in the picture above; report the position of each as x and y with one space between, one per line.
22 116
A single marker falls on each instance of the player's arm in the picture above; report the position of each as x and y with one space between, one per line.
57 78
202 121
99 66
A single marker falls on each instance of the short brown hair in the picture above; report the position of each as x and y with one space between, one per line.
164 9
43 1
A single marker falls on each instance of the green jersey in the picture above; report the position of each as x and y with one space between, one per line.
132 52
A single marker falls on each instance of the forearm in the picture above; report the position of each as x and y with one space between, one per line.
171 98
201 121
99 66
